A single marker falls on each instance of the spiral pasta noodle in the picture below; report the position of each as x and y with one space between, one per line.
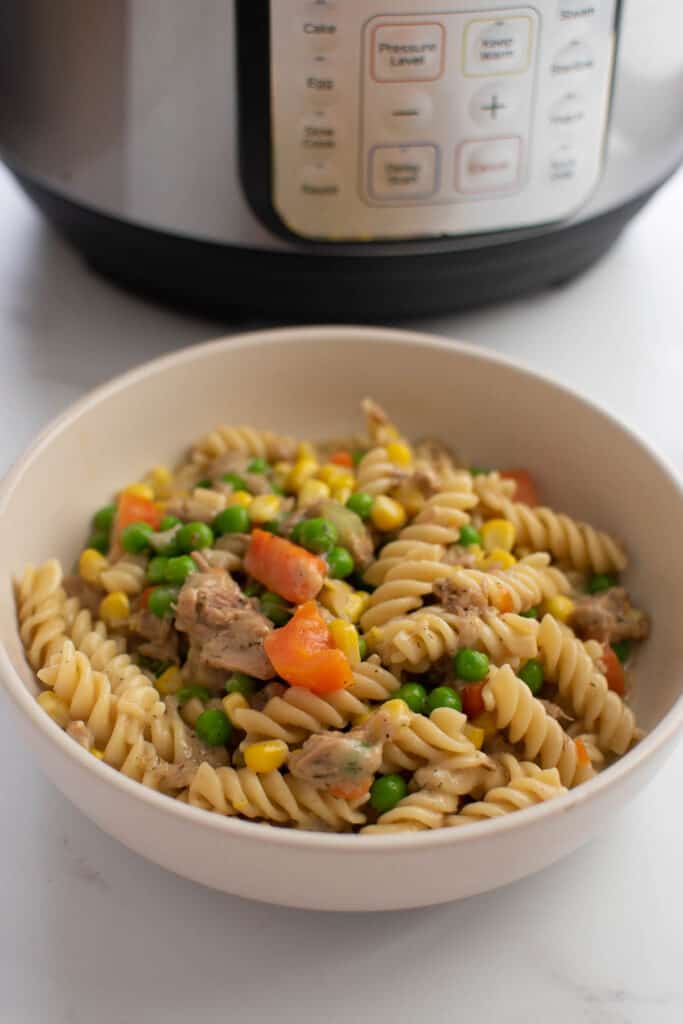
424 739
245 440
567 663
456 774
372 682
299 712
526 721
377 474
417 812
125 575
516 796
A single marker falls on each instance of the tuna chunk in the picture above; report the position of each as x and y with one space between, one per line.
223 624
608 617
342 759
459 600
159 639
87 593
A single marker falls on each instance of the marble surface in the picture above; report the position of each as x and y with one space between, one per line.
92 933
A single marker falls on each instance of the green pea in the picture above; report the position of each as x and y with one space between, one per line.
205 484
99 540
531 673
237 482
135 537
362 648
161 601
213 727
233 519
361 503
318 535
414 695
178 569
153 665
469 535
472 666
622 649
167 523
386 791
104 518
252 589
191 691
156 569
272 526
444 697
277 489
194 537
340 563
257 466
170 549
356 455
240 682
275 608
479 470
600 582
530 613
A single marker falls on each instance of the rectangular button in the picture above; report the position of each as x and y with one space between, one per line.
488 165
403 172
408 52
501 47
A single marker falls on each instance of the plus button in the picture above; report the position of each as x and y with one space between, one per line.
493 106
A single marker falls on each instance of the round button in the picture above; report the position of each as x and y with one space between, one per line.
564 164
320 84
318 131
578 10
574 58
568 111
494 103
320 33
319 179
408 112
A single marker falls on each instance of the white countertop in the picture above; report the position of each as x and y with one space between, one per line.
93 934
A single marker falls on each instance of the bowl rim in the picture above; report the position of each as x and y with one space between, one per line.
659 737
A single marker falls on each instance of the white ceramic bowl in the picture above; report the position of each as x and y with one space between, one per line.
309 382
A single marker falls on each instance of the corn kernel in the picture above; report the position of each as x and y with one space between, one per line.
96 752
398 709
233 702
161 481
169 681
312 491
264 508
57 709
559 606
400 453
115 608
498 533
486 721
474 735
140 491
345 638
342 494
356 605
305 450
302 470
242 498
496 559
336 476
374 637
90 565
281 471
266 756
387 514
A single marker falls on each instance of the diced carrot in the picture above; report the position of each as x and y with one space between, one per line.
342 459
581 752
144 597
283 567
132 509
303 652
525 492
350 790
472 700
503 601
614 670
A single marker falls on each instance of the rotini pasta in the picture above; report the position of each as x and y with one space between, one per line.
353 635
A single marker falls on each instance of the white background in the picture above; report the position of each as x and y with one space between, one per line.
92 934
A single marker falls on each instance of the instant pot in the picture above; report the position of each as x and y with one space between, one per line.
341 157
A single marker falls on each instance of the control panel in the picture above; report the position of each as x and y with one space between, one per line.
404 120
